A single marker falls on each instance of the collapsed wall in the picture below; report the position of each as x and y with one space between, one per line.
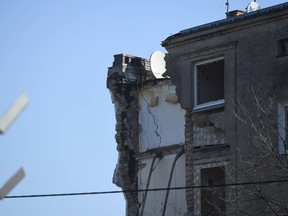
150 138
161 145
123 79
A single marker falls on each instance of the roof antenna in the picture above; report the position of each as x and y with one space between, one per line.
227 6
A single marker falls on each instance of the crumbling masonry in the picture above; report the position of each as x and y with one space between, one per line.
201 136
122 83
204 123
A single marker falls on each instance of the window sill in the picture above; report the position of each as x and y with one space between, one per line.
209 106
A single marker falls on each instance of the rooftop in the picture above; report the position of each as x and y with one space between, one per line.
227 21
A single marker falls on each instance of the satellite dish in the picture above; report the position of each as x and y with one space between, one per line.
158 64
253 6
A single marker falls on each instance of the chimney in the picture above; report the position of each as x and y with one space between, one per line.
234 13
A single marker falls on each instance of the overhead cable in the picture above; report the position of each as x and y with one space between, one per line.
144 190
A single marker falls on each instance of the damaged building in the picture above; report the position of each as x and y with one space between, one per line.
150 137
209 137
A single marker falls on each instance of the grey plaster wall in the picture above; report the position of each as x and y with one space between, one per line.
253 65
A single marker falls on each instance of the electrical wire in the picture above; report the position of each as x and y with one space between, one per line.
145 190
147 185
170 180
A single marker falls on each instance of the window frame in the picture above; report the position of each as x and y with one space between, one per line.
220 190
283 127
197 181
210 104
280 47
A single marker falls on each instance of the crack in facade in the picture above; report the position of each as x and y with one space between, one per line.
206 109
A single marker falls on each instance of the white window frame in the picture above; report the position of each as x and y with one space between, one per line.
216 103
282 127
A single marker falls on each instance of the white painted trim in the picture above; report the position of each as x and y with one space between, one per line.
211 103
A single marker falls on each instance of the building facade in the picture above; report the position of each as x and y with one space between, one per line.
212 133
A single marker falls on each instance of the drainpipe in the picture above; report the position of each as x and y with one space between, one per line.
170 180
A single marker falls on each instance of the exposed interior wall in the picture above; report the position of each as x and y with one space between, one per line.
149 122
155 200
161 118
151 129
160 145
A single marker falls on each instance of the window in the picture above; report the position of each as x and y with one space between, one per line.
213 198
283 47
283 128
209 83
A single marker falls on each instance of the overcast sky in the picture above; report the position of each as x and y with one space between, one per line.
57 52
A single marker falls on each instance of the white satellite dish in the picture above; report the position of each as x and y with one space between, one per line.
253 6
158 64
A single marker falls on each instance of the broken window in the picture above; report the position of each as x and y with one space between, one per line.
209 83
213 198
283 47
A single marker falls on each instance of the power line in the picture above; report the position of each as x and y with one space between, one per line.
144 190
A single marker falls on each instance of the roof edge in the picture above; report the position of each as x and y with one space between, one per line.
226 21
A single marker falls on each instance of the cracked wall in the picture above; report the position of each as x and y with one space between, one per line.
151 132
150 138
161 123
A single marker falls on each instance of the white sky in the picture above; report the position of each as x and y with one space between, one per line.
58 51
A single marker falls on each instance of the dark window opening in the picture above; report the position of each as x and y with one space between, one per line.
127 60
283 47
213 198
210 81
